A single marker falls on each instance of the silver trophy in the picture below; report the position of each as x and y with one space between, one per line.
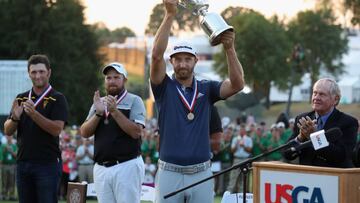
212 23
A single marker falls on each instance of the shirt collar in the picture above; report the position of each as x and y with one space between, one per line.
324 117
180 86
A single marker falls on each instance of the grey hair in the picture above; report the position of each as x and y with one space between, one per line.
333 87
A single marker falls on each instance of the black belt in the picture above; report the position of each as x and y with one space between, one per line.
109 163
115 162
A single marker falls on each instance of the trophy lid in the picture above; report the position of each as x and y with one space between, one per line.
197 7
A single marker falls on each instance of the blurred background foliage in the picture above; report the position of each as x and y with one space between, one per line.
265 46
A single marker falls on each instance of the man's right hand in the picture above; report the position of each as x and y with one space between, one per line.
158 65
99 105
16 110
306 127
171 6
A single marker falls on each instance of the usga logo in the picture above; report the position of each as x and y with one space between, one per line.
290 194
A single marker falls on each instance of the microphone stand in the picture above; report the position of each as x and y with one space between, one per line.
244 164
244 172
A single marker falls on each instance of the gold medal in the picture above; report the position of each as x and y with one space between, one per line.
190 116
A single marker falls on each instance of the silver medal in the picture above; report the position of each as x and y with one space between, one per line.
106 121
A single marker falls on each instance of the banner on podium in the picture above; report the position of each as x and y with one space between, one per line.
278 187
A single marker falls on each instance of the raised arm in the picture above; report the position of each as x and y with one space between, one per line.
236 81
158 66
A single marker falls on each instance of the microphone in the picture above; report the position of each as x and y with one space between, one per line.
331 135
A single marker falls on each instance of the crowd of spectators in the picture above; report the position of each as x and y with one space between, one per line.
241 138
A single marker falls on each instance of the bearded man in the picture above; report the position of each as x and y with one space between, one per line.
116 120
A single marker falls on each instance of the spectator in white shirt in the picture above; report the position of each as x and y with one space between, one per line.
150 170
241 147
84 157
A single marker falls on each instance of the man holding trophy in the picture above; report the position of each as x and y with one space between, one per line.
184 111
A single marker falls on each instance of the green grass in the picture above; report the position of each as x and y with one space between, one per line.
217 200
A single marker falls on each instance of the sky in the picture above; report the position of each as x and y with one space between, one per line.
135 14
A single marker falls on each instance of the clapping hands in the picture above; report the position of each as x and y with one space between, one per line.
306 127
108 103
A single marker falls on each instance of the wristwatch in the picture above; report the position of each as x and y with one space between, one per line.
14 120
99 115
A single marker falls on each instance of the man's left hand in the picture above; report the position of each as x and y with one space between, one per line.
227 39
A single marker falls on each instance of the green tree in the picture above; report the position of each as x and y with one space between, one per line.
354 6
57 29
102 33
120 34
230 12
262 47
106 36
242 101
184 21
324 41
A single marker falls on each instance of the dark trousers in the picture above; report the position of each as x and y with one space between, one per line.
38 182
8 181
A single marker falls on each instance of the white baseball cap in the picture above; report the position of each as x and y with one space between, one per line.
182 47
117 66
280 125
225 121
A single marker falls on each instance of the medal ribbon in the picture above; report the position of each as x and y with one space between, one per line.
121 97
41 97
191 106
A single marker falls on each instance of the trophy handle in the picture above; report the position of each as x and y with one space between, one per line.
202 11
182 4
